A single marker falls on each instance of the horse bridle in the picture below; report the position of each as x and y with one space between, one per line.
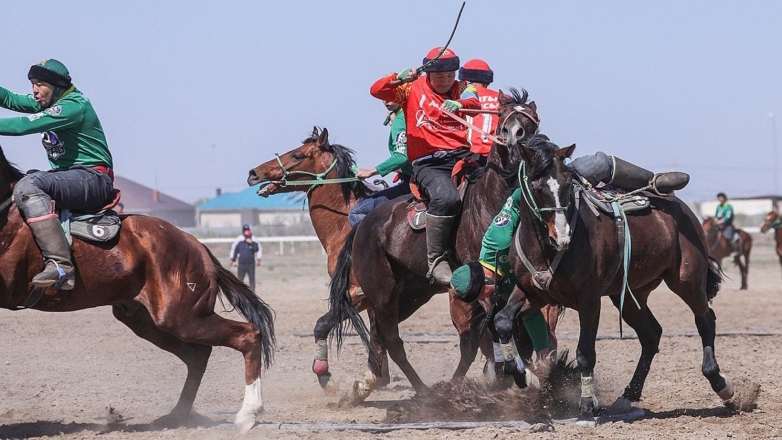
526 191
318 178
523 110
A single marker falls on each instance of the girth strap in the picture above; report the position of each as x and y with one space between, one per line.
626 250
542 279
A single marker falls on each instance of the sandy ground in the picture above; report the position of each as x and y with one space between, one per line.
60 372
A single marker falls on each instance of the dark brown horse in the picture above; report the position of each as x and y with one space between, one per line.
329 203
668 245
719 248
389 258
774 221
161 282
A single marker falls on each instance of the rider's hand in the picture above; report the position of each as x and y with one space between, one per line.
364 173
452 105
233 263
407 75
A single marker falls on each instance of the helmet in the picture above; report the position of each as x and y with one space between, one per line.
476 71
448 61
52 72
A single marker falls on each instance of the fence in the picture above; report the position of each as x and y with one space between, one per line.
281 240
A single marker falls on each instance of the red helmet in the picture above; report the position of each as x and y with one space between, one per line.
476 71
448 61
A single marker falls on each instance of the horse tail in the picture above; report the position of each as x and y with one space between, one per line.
340 306
250 306
713 279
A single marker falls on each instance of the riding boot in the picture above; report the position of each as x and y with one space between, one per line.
631 177
58 269
438 241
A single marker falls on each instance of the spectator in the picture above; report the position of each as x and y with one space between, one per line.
245 255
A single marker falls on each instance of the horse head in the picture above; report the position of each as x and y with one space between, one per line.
518 120
546 186
300 169
772 220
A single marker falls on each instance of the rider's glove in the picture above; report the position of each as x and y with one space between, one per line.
452 105
407 75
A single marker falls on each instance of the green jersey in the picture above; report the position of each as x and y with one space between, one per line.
72 133
498 238
725 212
397 146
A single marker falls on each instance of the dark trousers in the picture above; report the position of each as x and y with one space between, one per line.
367 204
433 176
249 270
78 188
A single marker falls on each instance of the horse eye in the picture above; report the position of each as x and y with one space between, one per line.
297 156
537 186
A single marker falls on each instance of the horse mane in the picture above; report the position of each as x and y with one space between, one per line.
518 98
544 155
8 169
345 166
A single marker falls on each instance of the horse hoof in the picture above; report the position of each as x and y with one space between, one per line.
320 367
323 379
355 395
244 421
727 392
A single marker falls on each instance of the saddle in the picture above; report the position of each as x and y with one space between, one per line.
600 200
416 210
99 226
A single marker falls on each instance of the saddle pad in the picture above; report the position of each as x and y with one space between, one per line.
95 227
600 198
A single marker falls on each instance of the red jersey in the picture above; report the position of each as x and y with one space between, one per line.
428 128
479 143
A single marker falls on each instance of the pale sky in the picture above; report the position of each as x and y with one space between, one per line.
192 94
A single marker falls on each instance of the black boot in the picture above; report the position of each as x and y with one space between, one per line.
58 271
438 240
631 177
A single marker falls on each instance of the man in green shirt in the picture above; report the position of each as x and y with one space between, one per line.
724 217
397 146
81 177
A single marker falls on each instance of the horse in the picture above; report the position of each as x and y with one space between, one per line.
388 258
668 245
160 282
774 221
324 171
719 248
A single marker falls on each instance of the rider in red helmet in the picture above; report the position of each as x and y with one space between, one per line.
478 73
435 143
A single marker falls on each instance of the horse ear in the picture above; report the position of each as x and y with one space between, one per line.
527 154
565 152
502 98
315 133
533 106
323 139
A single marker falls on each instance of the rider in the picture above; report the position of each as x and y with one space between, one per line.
473 281
435 143
724 216
478 73
81 177
397 146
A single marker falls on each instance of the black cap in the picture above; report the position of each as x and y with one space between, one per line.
245 227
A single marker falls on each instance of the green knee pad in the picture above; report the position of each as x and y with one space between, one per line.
538 330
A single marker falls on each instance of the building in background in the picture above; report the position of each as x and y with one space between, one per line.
139 199
281 212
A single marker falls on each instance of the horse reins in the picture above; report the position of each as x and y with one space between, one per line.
318 178
517 109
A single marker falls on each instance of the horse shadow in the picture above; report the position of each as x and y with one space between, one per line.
46 428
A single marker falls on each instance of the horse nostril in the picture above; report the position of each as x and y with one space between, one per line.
253 174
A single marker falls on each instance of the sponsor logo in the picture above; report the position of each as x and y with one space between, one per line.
502 220
54 147
503 258
53 110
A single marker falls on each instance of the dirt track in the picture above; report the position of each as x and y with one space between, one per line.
59 372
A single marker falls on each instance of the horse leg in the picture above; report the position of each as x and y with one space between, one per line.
467 320
649 332
320 365
194 356
589 320
387 323
378 373
551 312
505 323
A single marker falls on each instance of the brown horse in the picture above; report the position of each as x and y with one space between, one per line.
668 245
161 283
774 221
389 258
330 201
719 248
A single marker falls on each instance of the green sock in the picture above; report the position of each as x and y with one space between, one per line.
538 329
